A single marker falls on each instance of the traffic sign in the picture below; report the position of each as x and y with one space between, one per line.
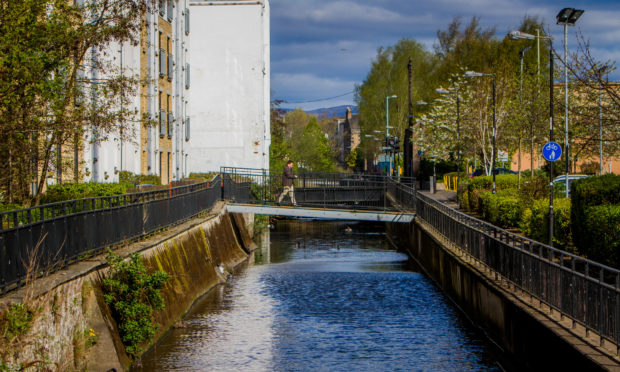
552 151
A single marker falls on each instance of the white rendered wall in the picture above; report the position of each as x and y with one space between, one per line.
229 95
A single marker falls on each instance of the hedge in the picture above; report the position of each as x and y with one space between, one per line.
535 222
138 179
589 192
71 191
603 235
503 209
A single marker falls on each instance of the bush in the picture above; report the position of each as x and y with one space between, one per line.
138 179
133 295
534 189
502 209
589 192
71 191
603 235
203 176
535 222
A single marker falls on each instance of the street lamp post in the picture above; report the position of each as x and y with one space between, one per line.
521 55
472 74
567 17
458 135
518 35
387 128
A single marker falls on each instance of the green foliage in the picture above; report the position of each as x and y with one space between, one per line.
503 209
71 191
313 150
441 167
589 192
261 222
603 235
45 46
139 179
535 222
351 159
533 189
203 176
15 321
133 295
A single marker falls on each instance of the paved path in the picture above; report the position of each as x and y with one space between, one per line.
446 197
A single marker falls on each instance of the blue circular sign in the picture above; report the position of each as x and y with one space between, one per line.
552 151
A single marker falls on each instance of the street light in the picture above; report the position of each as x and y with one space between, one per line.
472 74
387 127
518 35
521 55
441 90
567 17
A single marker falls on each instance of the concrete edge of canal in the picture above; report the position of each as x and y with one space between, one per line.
535 337
198 254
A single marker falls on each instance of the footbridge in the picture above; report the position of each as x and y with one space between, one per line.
319 195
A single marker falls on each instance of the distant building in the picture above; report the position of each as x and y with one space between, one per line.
347 135
230 95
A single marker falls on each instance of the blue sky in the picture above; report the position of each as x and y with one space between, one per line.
322 48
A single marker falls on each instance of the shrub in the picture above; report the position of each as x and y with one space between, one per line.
202 176
603 235
133 295
502 209
138 179
71 191
534 189
535 222
589 192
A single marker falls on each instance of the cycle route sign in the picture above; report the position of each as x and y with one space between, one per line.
552 151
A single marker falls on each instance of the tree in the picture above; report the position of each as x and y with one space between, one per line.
313 150
46 101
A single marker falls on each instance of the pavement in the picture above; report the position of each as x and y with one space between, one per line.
446 197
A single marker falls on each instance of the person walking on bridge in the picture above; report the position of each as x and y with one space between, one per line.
287 182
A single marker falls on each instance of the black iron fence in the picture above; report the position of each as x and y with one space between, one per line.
585 291
311 189
53 235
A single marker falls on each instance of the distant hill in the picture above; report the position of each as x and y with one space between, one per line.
330 112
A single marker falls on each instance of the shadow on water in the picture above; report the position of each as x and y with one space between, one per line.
326 296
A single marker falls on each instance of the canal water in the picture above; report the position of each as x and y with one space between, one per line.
325 296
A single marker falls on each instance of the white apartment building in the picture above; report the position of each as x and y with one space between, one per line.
160 60
230 95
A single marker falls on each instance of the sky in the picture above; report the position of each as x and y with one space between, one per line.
321 48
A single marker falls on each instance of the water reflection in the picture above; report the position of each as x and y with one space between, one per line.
322 296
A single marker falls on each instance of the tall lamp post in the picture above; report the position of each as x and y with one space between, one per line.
518 35
458 134
387 127
567 17
472 74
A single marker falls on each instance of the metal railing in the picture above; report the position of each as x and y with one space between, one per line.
312 189
583 290
55 234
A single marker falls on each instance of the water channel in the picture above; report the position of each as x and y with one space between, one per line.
325 296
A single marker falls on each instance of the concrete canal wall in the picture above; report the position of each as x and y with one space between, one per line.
533 339
69 312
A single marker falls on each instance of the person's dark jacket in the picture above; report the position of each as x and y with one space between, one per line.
287 176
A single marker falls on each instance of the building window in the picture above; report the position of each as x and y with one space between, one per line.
170 10
187 128
162 63
162 8
187 76
162 123
170 124
170 65
186 21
